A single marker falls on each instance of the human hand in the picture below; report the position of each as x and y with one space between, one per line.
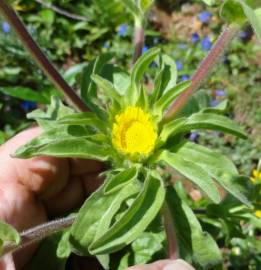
31 190
164 265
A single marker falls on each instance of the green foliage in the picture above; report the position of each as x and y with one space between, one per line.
240 11
195 245
8 234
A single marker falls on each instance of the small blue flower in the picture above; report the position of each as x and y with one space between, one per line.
220 93
28 105
106 45
179 65
145 49
184 77
242 34
182 46
194 38
193 136
6 27
122 30
213 103
204 16
206 44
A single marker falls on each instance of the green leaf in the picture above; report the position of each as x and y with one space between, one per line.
56 110
166 79
147 245
24 93
137 74
167 98
67 141
63 249
195 245
193 172
253 18
84 118
88 87
133 8
209 2
8 234
107 87
145 4
135 220
202 120
116 182
216 165
95 216
232 11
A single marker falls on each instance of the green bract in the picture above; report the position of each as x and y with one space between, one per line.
134 190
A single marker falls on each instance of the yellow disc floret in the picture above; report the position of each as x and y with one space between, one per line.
133 132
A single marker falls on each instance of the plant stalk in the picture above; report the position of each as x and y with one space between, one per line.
61 11
204 68
173 252
139 40
47 67
38 233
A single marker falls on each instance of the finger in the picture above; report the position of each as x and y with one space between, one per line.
164 265
43 175
84 166
19 207
7 262
69 198
91 182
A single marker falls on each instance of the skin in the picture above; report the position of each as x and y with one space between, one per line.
34 189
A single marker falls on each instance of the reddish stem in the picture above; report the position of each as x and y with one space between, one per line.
173 252
204 68
139 42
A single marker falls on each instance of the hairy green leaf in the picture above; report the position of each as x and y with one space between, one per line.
195 245
193 172
95 216
217 166
84 118
116 182
107 87
134 221
65 141
8 234
137 74
202 120
167 98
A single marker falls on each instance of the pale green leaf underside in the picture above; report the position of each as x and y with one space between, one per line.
216 165
193 172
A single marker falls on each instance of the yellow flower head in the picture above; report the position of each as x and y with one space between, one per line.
133 132
256 177
258 213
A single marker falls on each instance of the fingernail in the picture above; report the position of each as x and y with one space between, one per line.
178 265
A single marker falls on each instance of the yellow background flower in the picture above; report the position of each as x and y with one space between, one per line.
133 132
256 177
258 213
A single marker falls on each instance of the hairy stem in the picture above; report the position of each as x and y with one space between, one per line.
173 252
204 68
34 50
39 232
61 11
138 41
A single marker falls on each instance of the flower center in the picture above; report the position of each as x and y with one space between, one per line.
133 132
